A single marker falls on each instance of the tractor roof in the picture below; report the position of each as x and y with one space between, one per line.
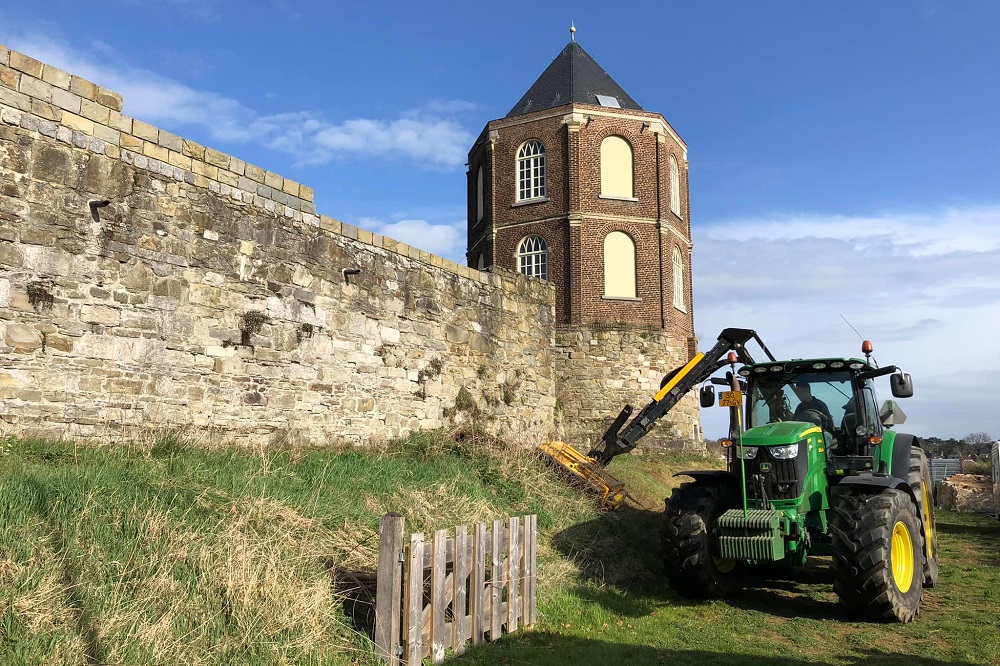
810 365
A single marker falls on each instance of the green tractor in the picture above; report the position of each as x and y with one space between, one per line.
817 470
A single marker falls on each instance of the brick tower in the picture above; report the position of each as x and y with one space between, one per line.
580 186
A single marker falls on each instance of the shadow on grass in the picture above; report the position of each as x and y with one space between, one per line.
552 649
986 529
356 591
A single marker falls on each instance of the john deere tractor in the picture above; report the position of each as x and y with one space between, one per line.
814 468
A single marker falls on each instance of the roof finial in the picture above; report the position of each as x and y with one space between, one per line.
572 30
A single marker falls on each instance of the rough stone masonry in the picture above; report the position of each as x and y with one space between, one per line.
208 297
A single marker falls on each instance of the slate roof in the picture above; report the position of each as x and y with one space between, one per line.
573 77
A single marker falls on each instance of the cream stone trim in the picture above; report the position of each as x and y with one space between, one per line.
655 125
665 228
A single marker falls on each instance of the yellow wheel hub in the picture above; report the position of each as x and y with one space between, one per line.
723 564
928 522
901 557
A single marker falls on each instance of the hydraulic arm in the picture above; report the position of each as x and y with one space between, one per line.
729 348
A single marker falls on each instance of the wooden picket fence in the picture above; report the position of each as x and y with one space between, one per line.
443 594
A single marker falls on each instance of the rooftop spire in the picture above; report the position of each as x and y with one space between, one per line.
572 31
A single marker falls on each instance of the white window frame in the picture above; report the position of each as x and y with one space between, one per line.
531 171
678 261
533 257
675 187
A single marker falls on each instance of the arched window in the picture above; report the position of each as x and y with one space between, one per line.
675 187
481 263
479 195
531 170
616 167
678 279
533 257
619 265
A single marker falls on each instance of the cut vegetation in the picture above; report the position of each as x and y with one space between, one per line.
170 554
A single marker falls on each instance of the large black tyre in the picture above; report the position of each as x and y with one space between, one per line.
691 568
877 558
919 478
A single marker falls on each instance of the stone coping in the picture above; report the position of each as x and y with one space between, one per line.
41 98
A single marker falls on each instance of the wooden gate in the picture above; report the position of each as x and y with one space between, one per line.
454 589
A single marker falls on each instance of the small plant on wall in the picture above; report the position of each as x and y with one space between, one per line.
39 296
251 322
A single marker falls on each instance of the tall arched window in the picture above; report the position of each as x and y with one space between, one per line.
479 195
616 167
675 187
533 257
619 265
678 279
531 170
481 263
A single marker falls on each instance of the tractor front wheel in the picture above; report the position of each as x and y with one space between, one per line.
688 555
878 555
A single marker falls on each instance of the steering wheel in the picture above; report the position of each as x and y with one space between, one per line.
815 416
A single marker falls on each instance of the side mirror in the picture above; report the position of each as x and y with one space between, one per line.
901 384
707 395
890 414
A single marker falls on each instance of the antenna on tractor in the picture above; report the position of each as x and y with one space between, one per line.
866 345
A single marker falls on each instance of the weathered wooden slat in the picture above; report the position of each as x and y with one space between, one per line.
514 569
389 588
450 548
496 584
414 600
531 560
440 637
459 620
477 595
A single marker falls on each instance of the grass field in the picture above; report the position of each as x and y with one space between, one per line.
172 555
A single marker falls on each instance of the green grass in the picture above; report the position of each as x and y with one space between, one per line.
171 554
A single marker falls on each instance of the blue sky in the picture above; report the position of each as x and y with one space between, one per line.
844 156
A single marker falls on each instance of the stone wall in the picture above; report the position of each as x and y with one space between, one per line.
207 296
600 370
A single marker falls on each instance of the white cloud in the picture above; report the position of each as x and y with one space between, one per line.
444 240
922 287
430 135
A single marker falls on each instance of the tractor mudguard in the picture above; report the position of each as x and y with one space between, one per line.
901 455
872 481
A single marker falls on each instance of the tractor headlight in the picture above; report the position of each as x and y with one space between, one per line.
787 452
748 452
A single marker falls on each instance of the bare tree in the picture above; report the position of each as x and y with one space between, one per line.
978 443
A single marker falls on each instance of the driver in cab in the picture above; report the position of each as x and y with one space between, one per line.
807 402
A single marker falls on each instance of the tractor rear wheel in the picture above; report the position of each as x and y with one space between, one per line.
920 482
691 567
877 558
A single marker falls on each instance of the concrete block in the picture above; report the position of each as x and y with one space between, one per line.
56 77
107 134
10 116
130 142
178 160
237 166
291 188
23 63
19 101
306 193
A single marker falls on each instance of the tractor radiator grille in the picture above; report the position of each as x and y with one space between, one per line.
782 478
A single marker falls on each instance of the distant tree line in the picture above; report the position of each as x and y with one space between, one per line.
974 445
